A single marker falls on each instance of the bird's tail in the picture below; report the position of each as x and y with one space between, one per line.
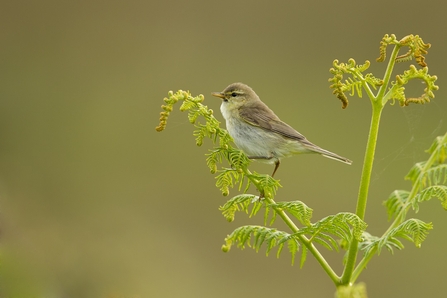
337 157
329 154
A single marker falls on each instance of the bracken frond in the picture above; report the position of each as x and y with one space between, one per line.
397 89
386 40
413 230
353 84
396 202
297 208
241 203
435 191
256 236
343 225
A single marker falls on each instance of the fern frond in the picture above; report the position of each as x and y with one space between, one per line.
240 203
343 225
427 177
417 48
238 159
435 175
303 256
414 230
226 179
297 208
353 84
266 184
435 191
326 241
397 89
396 202
187 105
373 81
415 172
439 149
386 40
215 156
256 236
368 243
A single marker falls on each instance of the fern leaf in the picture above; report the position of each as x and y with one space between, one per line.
386 40
326 240
439 149
238 159
267 185
240 203
296 208
257 236
368 243
303 256
226 179
342 225
427 177
396 202
215 156
435 191
435 175
415 172
414 230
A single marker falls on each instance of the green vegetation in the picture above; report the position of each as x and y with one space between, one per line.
342 231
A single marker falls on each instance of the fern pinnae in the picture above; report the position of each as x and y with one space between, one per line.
239 203
303 256
325 240
436 175
434 191
396 202
296 208
413 230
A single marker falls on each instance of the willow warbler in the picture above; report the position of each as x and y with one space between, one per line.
258 132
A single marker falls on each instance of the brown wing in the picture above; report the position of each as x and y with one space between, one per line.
263 117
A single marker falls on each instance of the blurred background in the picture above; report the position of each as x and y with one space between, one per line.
96 203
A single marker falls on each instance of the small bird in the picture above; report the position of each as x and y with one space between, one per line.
258 132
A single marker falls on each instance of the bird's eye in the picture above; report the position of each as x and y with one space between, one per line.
234 94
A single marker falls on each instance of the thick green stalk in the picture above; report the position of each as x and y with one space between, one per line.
364 187
377 104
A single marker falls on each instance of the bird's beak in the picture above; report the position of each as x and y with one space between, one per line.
218 94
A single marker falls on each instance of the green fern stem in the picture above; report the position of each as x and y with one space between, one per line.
362 265
377 103
386 79
364 187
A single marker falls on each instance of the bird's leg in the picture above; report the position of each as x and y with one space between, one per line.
277 162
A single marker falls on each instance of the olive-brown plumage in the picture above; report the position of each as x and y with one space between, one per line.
257 130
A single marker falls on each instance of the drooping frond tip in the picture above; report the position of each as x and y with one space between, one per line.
171 100
337 84
167 109
416 48
386 40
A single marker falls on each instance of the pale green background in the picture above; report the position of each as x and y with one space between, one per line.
95 203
